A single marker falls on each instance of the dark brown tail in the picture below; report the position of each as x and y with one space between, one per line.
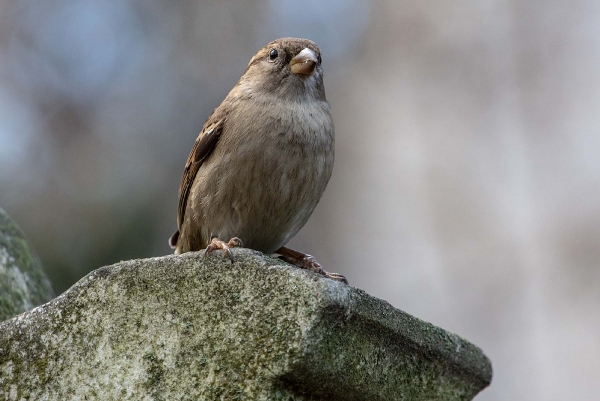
173 240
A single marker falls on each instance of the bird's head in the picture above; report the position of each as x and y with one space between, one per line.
287 67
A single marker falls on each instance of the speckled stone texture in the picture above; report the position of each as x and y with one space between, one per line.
23 284
180 328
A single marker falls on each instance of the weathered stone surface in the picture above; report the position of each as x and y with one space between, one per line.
180 328
23 284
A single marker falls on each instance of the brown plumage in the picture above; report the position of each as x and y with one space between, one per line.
263 158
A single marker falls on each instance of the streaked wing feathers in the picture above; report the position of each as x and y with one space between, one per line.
203 146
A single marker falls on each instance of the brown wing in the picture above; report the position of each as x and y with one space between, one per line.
205 143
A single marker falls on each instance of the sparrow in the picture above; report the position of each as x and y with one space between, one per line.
262 160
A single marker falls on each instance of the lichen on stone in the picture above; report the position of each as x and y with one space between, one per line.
23 283
187 328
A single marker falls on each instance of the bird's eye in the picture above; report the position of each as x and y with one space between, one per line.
273 55
319 59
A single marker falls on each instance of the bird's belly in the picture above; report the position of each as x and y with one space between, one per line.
269 195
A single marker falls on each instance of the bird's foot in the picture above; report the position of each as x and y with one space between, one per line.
216 243
307 262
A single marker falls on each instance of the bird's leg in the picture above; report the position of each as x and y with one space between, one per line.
307 262
216 243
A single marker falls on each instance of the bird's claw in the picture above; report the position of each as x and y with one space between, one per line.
216 243
336 276
309 263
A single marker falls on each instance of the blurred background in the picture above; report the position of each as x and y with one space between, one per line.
466 189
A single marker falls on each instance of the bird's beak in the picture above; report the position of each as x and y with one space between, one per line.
304 62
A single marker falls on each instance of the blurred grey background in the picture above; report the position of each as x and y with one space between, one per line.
466 189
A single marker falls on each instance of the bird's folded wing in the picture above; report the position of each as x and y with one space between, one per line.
205 143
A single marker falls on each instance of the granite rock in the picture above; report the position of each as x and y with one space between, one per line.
182 327
23 283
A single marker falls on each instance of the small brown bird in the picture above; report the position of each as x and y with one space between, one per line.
262 160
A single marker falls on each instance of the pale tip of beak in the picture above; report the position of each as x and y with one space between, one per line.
304 62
